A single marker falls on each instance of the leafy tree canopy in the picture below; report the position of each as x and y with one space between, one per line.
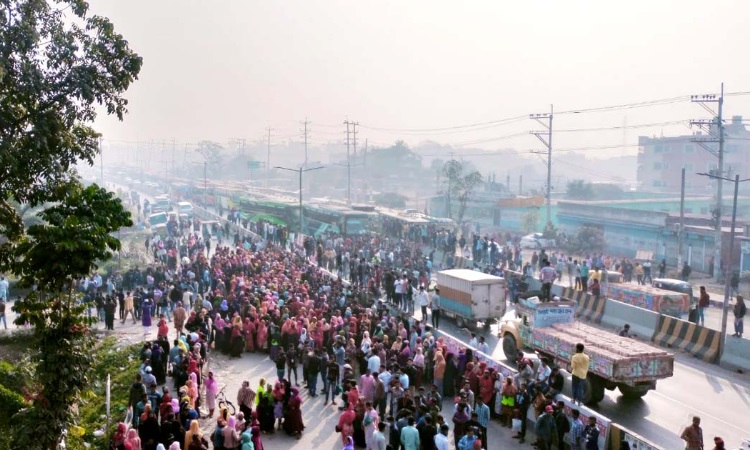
57 64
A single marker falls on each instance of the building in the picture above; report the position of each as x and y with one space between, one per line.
661 160
652 226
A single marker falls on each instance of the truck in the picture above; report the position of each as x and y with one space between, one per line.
550 329
471 296
662 301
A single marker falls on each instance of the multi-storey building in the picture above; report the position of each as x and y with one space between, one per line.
661 159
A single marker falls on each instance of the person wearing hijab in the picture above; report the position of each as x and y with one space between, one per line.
192 391
212 389
179 315
195 430
257 443
293 423
121 435
231 436
134 440
346 424
247 441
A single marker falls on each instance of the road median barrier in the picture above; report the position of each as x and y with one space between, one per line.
643 323
701 342
590 307
736 355
618 435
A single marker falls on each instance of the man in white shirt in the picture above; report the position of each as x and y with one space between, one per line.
441 439
379 442
424 301
483 347
398 289
4 285
540 381
373 363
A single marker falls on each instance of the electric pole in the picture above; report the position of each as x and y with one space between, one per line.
546 137
306 135
268 159
349 161
101 161
681 231
715 129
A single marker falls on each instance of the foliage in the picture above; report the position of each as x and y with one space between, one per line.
461 185
76 233
582 190
57 65
212 153
550 231
391 200
588 239
396 159
530 220
122 365
579 190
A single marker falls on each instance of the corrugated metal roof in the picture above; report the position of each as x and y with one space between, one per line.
470 275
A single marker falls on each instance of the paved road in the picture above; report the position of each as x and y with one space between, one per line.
720 397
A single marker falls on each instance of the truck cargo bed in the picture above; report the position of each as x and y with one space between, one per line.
616 358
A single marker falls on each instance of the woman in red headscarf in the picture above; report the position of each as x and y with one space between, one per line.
262 336
346 423
250 331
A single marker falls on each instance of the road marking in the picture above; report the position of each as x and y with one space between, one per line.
699 412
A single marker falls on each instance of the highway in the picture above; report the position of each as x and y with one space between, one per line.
721 398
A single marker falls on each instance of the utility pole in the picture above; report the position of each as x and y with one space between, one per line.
547 141
301 170
715 129
349 161
306 135
268 159
681 231
354 138
448 208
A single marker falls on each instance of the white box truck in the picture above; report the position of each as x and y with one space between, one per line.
471 296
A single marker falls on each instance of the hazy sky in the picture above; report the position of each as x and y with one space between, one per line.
228 69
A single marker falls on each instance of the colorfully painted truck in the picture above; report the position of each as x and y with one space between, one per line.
471 296
551 330
669 303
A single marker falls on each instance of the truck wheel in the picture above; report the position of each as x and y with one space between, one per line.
593 390
632 392
487 324
460 322
510 348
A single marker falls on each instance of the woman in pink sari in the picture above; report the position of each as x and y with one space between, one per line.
346 423
262 336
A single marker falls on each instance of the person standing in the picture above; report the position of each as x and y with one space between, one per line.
246 399
545 429
663 268
441 439
379 440
591 434
576 431
547 276
740 310
4 286
5 322
704 300
435 308
109 313
410 436
580 368
424 301
686 270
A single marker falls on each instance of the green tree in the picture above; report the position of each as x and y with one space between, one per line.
588 239
530 220
58 67
461 185
580 190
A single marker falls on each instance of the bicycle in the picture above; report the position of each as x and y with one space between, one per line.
222 402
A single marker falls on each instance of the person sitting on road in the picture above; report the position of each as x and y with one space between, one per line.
625 332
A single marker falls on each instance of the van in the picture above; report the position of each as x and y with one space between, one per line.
185 210
161 204
158 220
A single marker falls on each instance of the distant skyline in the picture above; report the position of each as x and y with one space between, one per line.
417 70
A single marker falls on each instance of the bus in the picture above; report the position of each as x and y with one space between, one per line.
323 218
278 212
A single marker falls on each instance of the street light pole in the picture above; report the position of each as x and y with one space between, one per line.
301 170
728 271
205 184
